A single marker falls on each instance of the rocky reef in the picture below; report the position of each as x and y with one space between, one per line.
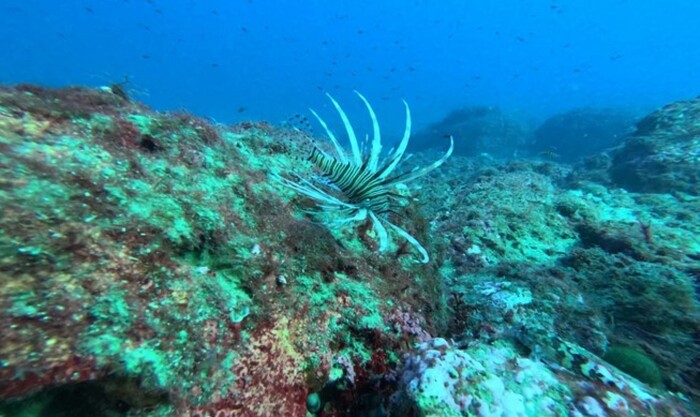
150 266
663 155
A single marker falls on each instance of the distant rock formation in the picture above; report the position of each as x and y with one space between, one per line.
476 129
582 132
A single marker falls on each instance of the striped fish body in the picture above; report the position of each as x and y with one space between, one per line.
360 185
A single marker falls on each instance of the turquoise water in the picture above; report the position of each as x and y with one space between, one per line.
268 59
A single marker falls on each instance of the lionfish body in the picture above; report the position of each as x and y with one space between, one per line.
365 184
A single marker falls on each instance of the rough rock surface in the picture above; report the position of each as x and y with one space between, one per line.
150 266
663 155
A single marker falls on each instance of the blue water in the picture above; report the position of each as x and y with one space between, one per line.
270 59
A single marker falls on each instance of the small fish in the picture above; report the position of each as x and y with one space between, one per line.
300 123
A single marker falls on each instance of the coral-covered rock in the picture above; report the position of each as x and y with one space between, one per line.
598 267
150 266
663 155
439 379
151 252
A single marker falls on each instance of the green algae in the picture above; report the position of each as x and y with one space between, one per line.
636 363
